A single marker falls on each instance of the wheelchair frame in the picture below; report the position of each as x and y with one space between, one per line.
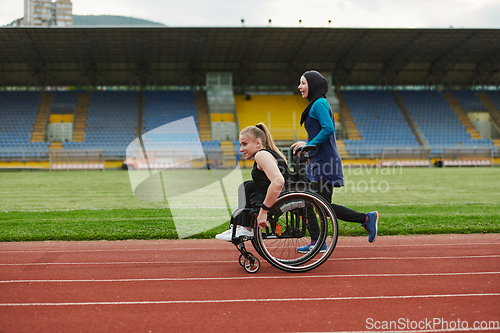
288 227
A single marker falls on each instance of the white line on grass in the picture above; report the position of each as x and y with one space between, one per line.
158 208
253 300
253 277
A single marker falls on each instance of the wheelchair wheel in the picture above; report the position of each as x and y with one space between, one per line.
251 264
291 226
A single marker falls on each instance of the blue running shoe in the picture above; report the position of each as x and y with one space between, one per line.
371 226
323 248
310 246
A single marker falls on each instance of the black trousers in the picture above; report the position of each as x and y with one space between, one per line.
343 213
248 194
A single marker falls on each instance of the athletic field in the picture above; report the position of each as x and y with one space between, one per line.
96 205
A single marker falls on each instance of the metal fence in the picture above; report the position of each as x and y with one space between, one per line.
410 156
76 160
467 156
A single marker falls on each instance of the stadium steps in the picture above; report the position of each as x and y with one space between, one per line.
227 148
342 149
415 128
496 142
56 145
491 107
82 106
203 116
462 116
349 126
38 134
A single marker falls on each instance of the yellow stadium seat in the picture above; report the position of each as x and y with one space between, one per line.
280 113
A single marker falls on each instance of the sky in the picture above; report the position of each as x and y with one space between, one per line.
287 13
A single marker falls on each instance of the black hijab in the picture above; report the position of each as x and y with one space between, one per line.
318 87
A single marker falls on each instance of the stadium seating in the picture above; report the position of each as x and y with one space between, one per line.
111 122
469 101
163 107
495 98
18 111
438 122
211 146
254 110
64 102
379 121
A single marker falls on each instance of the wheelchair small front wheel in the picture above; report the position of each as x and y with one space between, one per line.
241 260
251 264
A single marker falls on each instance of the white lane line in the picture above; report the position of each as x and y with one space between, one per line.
253 300
229 261
229 248
254 277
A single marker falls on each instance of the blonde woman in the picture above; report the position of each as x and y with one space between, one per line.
269 174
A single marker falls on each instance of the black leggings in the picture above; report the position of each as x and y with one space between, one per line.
343 213
249 192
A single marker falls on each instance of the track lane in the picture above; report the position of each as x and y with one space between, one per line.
184 289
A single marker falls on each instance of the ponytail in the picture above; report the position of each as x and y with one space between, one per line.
260 131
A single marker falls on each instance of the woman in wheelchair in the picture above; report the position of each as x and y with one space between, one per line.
278 204
269 174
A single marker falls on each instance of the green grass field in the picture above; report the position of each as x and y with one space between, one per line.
96 205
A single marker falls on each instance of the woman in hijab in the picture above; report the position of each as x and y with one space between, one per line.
325 166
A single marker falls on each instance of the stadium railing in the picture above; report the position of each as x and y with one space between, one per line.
85 159
467 156
406 156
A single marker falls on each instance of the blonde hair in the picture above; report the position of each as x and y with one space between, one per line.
261 132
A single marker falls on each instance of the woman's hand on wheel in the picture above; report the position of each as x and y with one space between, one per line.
262 219
297 145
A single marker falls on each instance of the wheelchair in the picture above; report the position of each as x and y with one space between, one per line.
297 213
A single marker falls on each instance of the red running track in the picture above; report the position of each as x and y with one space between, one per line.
406 283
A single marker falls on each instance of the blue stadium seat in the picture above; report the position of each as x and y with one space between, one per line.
438 122
18 112
469 101
379 121
111 121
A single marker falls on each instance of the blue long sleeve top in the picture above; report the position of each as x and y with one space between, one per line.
320 111
325 162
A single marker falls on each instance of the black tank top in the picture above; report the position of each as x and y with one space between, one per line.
260 177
